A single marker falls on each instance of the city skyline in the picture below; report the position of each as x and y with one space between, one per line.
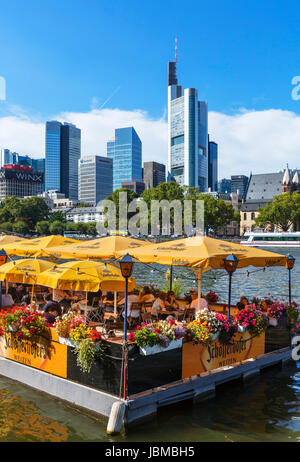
243 118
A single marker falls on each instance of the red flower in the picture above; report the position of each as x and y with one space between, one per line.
131 336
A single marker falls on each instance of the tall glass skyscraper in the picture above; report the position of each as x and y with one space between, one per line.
126 152
63 150
95 179
187 135
212 165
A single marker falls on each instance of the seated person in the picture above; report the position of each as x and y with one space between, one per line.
265 304
145 296
92 296
132 298
26 299
6 300
109 302
12 291
51 315
159 302
203 305
242 303
49 302
20 292
171 300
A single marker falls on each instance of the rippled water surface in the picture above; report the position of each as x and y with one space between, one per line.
268 410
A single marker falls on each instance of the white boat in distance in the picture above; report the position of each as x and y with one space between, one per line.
266 239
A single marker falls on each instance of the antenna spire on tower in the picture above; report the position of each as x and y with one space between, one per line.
176 48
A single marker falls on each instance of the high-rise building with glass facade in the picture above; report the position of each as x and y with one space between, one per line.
239 185
63 149
154 174
224 186
126 152
212 165
187 135
8 157
95 179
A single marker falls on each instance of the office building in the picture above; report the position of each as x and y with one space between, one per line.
20 181
95 179
136 186
126 152
8 157
63 149
153 174
224 186
212 165
239 185
187 134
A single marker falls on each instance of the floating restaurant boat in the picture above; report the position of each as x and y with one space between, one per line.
143 378
255 239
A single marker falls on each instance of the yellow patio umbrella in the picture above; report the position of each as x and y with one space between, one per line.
204 253
97 249
36 247
85 276
23 271
8 239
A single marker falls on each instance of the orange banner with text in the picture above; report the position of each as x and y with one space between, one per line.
46 355
198 358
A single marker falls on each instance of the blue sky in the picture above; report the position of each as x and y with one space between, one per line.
65 59
57 56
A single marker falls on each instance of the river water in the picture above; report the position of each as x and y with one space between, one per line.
268 410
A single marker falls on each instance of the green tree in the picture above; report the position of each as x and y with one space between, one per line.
216 212
114 197
6 226
21 227
282 213
57 216
56 227
82 228
34 209
92 229
42 227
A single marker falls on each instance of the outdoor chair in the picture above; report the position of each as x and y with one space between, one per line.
109 319
147 317
147 306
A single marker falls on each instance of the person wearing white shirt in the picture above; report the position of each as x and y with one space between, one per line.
7 300
198 305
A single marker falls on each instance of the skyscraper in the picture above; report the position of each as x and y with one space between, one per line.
126 152
13 158
63 148
212 165
187 134
239 184
154 173
95 179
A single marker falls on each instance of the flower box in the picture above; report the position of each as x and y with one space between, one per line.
273 322
241 328
67 341
147 351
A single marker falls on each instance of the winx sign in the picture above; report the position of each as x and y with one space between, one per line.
6 174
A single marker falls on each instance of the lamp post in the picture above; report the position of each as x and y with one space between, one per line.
290 265
126 266
3 260
231 263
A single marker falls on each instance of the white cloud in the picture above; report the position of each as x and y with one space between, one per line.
257 141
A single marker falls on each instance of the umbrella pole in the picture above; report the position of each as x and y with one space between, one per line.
115 302
199 288
229 296
171 277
